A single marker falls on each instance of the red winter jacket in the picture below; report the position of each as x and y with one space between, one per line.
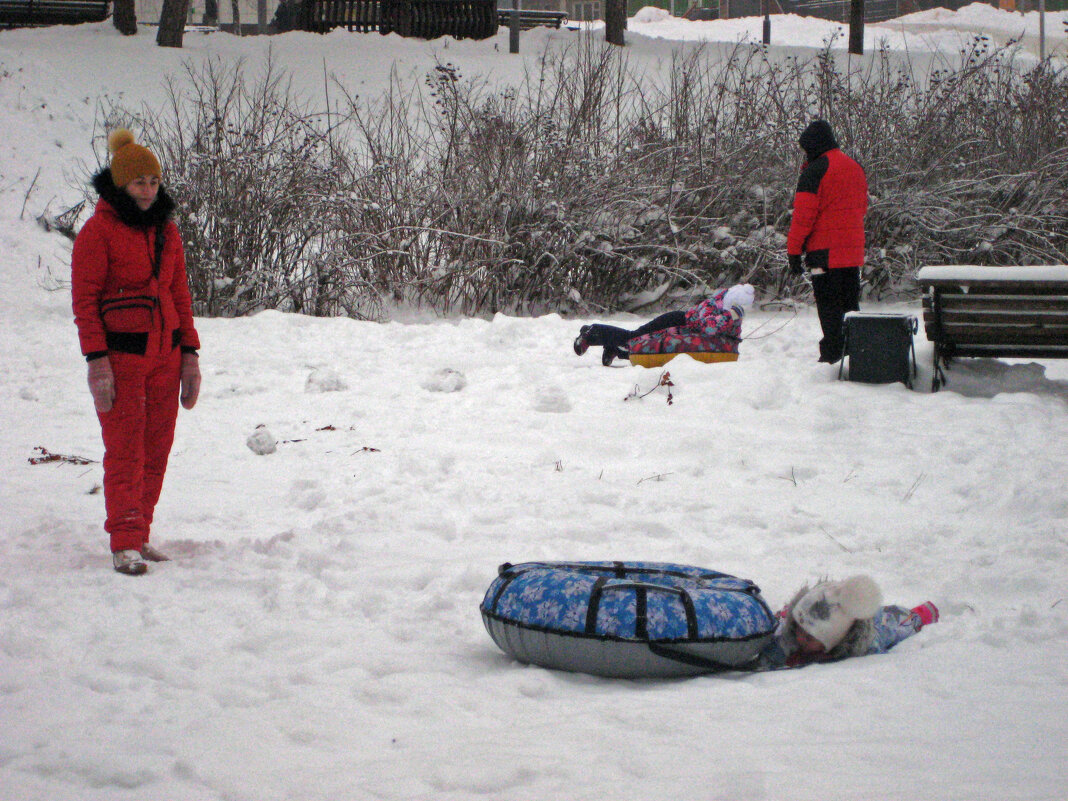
123 300
829 209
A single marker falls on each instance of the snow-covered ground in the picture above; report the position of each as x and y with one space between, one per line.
317 635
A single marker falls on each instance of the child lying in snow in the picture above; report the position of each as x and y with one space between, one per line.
713 325
838 619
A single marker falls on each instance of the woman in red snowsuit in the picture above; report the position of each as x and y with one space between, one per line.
135 325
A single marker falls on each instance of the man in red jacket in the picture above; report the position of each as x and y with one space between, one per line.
828 228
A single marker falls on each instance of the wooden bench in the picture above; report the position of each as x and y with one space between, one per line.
531 19
33 13
428 19
1010 312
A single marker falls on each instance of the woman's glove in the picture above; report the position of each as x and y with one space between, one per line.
102 383
190 380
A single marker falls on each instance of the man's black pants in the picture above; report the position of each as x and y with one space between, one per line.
837 291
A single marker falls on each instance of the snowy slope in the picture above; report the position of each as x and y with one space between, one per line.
317 635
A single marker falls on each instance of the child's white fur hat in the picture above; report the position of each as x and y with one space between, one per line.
829 609
739 295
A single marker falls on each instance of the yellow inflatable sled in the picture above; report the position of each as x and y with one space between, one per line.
660 359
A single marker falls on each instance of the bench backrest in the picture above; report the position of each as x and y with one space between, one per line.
996 311
532 19
51 12
428 19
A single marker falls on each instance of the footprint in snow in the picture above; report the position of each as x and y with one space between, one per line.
551 399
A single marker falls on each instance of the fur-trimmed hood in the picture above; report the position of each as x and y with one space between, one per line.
857 641
127 209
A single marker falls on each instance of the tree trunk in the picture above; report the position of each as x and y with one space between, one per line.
172 23
856 27
124 17
211 12
235 7
615 21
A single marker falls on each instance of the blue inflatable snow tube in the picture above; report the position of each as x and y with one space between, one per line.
627 619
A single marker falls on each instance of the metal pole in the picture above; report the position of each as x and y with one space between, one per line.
1042 30
767 21
856 27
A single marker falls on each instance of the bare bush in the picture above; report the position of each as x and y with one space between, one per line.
590 186
256 177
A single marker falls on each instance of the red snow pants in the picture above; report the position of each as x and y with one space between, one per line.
138 433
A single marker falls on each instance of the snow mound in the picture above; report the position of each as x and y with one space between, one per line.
261 442
652 14
325 380
445 380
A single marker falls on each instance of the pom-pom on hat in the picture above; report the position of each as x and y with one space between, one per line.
830 609
130 160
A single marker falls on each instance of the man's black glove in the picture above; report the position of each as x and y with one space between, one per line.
795 265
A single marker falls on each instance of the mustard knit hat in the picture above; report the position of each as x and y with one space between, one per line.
130 160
